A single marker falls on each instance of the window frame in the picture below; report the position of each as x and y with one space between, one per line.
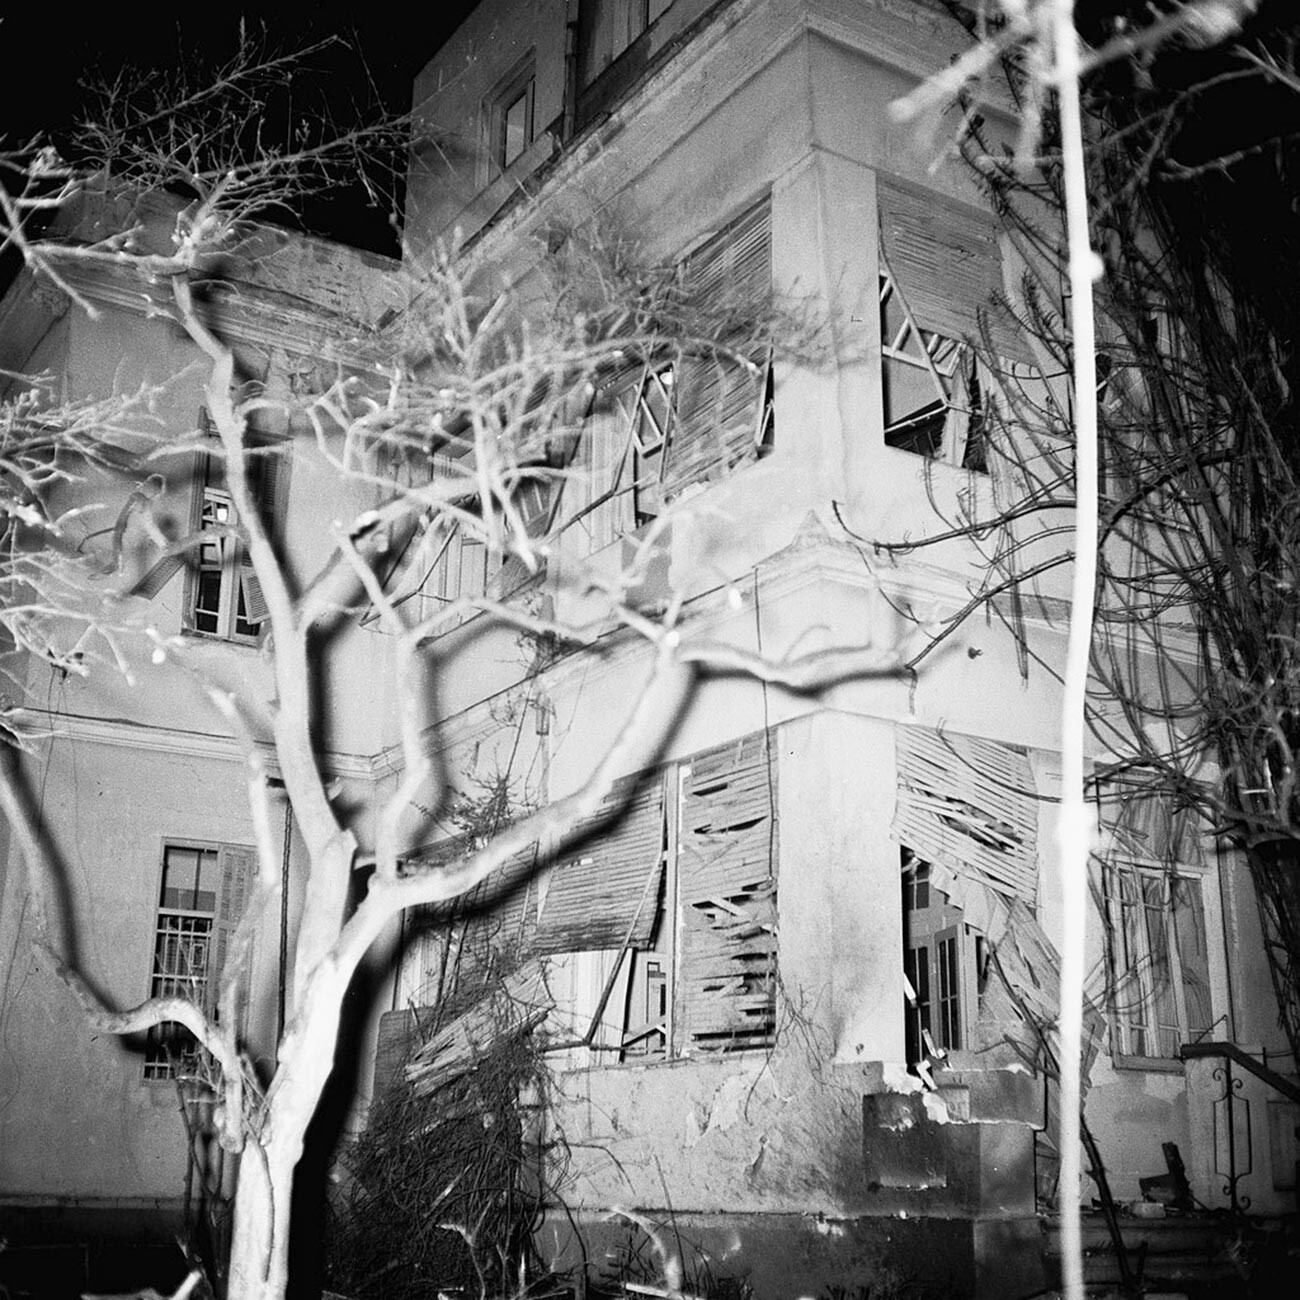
519 83
1149 842
240 615
638 17
939 1013
171 1052
954 370
1133 959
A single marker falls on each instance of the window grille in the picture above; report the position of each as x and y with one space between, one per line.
201 899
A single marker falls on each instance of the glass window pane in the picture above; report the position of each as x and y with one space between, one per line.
514 126
909 391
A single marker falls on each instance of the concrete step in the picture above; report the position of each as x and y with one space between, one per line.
1195 1255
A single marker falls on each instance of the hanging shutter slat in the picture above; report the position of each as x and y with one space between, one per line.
727 883
968 805
947 264
611 891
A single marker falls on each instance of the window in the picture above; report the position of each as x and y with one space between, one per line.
944 965
607 27
201 898
940 276
931 388
222 596
510 118
1156 927
663 922
660 427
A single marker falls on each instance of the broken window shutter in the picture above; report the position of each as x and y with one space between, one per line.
236 866
501 910
968 805
515 1007
720 399
947 264
255 608
609 894
727 886
158 575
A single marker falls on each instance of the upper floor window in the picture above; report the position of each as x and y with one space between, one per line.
931 388
940 271
225 598
661 426
607 27
447 563
222 594
510 117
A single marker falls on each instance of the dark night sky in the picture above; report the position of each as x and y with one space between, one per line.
45 55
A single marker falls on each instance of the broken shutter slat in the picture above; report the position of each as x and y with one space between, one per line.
968 804
728 892
611 890
947 264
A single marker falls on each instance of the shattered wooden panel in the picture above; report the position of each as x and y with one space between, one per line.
969 805
727 883
516 1006
607 897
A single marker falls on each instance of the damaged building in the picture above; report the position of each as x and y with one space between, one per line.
797 982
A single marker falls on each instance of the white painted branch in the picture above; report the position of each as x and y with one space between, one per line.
1075 831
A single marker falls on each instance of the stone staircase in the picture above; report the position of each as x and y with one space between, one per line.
1198 1255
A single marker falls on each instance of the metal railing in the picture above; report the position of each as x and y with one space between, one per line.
1232 1101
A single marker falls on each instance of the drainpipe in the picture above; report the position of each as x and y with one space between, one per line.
282 977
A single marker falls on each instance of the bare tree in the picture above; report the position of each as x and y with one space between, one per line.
484 388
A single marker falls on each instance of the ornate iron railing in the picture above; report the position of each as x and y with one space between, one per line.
1234 1099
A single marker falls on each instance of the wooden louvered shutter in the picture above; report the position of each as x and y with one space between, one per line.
609 895
968 805
158 575
727 886
236 866
721 403
947 264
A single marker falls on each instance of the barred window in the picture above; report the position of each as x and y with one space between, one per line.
201 898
